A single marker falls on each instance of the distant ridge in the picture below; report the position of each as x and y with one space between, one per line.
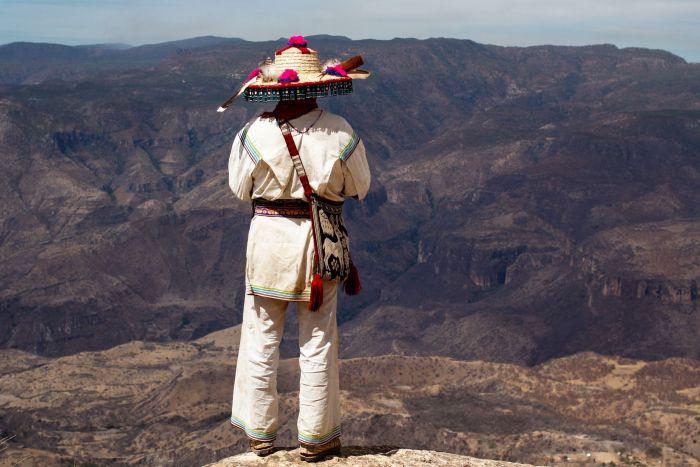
200 41
15 48
34 62
329 37
109 46
39 50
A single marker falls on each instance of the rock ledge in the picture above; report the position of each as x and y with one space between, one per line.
365 456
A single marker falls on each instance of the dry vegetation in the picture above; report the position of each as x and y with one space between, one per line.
154 403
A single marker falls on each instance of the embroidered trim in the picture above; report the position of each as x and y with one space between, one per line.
254 434
282 211
290 295
249 147
349 148
321 439
344 81
294 91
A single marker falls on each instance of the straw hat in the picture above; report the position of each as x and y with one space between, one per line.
296 73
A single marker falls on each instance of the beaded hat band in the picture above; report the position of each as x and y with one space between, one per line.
296 73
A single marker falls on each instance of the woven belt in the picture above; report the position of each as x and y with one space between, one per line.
293 208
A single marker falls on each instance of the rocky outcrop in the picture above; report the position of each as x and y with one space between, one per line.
367 457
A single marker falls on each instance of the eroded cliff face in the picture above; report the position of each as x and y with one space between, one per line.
656 262
506 189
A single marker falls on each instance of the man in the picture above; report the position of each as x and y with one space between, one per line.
280 251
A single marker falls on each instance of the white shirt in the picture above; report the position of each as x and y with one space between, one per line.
279 254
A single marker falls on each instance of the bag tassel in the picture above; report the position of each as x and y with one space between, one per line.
352 283
316 299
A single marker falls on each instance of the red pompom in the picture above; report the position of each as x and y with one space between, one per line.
288 76
297 41
316 299
352 282
336 70
253 73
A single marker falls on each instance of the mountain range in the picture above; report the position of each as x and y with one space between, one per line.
527 203
529 251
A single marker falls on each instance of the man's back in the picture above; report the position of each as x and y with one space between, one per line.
332 152
280 249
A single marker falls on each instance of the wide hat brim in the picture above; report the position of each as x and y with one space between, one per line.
307 87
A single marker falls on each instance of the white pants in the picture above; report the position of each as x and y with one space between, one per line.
255 402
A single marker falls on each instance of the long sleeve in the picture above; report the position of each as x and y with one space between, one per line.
356 172
240 169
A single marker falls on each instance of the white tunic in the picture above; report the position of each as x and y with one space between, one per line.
279 255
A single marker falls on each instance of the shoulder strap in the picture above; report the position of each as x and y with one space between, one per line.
296 159
316 298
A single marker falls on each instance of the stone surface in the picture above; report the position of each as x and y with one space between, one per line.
367 457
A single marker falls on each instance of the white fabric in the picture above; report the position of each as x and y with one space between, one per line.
279 254
332 153
279 260
255 399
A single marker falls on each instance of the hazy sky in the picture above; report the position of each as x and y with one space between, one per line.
672 25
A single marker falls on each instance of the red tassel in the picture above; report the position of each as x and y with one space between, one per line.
352 282
316 299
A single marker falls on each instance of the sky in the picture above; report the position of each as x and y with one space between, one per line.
672 25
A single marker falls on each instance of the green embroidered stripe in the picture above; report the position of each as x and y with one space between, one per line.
249 147
259 435
320 439
349 148
278 293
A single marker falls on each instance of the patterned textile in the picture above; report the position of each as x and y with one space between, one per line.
288 295
249 146
298 210
319 439
332 242
302 91
349 148
253 434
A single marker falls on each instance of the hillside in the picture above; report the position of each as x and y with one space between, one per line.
152 403
545 198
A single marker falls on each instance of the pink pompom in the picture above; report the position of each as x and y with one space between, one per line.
288 76
336 70
254 73
297 41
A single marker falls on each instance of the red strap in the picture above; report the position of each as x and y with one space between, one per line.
301 172
304 50
296 159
